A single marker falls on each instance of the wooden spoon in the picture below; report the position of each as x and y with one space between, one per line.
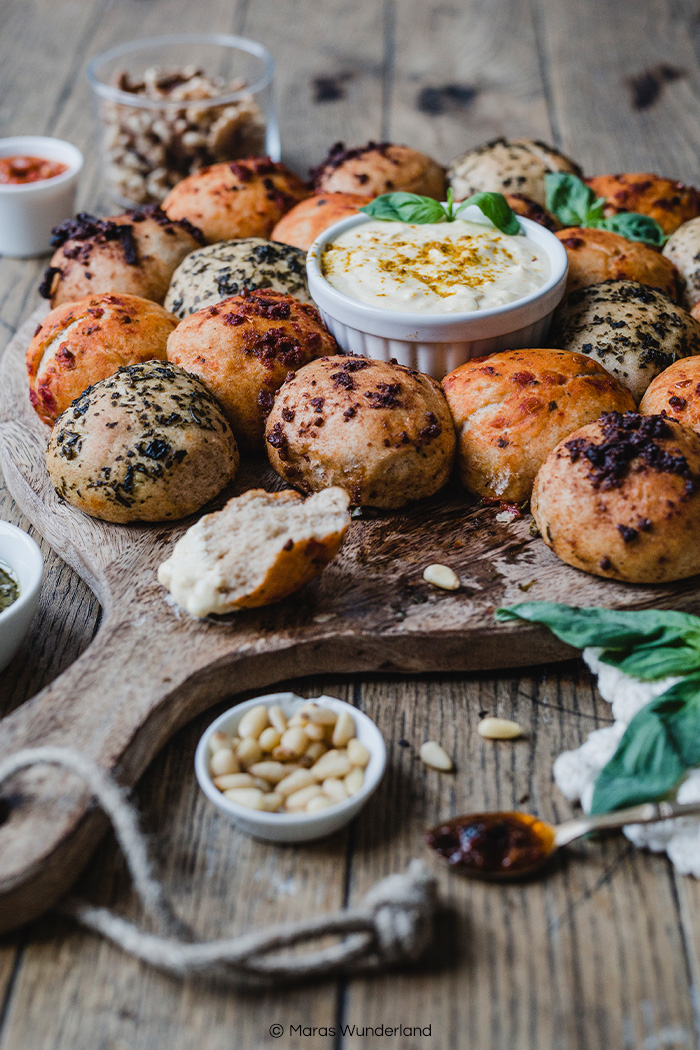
509 845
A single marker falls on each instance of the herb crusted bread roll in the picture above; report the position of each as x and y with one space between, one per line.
260 548
507 166
149 443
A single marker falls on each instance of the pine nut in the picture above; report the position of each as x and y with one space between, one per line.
441 576
354 780
435 756
264 785
223 761
344 729
300 778
253 722
314 752
297 719
332 764
277 717
335 789
358 753
299 799
272 772
318 802
293 744
269 738
217 741
498 729
321 716
251 798
315 732
249 752
272 802
234 780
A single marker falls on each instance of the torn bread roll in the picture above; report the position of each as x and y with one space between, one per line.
260 548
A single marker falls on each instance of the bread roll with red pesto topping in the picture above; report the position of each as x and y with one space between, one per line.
600 255
307 220
530 209
379 430
243 348
377 168
136 253
676 393
512 408
621 498
243 198
80 343
668 201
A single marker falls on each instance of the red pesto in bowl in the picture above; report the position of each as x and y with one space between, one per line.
19 170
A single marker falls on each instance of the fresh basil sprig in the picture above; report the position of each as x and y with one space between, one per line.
649 644
575 204
659 746
412 208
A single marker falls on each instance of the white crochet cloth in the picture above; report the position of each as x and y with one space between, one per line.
575 772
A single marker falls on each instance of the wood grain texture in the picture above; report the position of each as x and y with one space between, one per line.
604 952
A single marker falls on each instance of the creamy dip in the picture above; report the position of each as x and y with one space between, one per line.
450 267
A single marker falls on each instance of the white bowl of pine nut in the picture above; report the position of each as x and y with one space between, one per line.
286 769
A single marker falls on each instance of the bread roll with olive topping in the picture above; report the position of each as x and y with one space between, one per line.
377 168
79 343
220 270
149 443
507 166
244 198
600 255
136 253
379 430
676 393
621 498
632 330
243 348
668 201
512 408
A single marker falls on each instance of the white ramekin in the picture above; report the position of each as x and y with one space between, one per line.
292 827
21 554
29 212
437 343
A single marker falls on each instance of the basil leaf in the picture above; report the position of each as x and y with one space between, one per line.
496 208
401 207
659 745
570 199
635 227
649 644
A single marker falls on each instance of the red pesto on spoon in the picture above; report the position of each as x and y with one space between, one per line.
510 845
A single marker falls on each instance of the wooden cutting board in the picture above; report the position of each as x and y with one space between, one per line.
151 669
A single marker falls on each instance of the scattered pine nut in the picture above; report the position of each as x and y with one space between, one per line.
441 576
498 729
435 756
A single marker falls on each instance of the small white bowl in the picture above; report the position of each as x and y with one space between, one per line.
292 827
437 343
29 212
19 552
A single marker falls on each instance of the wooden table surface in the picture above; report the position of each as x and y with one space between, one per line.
603 952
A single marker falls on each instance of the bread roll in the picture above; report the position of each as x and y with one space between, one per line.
244 198
600 255
666 200
136 254
632 330
79 343
148 443
512 408
220 270
676 393
379 430
683 250
530 209
262 547
621 498
507 166
308 219
243 348
379 167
